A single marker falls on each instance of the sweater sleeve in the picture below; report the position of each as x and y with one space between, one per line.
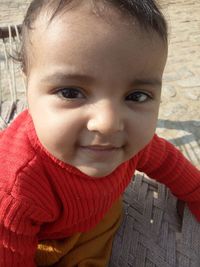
21 217
163 162
18 232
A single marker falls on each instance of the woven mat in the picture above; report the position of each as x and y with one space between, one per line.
152 234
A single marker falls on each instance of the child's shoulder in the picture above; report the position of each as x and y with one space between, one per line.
22 170
15 148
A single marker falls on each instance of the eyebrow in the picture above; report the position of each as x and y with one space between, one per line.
59 76
151 81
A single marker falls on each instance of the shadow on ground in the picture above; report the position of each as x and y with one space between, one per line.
187 136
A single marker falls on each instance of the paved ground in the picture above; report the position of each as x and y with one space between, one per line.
179 119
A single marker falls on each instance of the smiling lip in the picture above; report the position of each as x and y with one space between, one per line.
101 147
101 152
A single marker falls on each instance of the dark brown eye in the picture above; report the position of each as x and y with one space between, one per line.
138 96
70 93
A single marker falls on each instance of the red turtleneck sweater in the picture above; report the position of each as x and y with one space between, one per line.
44 198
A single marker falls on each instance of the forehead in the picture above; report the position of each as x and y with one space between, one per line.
80 37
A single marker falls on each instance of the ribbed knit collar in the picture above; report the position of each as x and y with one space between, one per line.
47 156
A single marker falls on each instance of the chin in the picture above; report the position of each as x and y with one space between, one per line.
96 173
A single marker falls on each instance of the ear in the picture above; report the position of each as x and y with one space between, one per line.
24 77
25 83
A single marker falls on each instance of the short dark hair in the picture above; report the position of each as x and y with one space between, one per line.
146 12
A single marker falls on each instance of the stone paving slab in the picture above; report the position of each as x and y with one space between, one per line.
179 118
180 109
12 11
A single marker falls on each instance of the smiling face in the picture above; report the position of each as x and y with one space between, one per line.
94 88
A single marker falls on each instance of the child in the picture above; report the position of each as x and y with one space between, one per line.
93 71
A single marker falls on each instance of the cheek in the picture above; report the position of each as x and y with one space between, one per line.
57 129
141 131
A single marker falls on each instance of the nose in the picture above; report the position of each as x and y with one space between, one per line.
106 118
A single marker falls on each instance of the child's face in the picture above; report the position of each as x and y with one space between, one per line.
94 88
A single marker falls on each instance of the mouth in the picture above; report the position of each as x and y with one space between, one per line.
106 154
102 147
101 152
